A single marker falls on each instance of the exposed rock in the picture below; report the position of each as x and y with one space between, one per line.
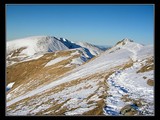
128 110
150 82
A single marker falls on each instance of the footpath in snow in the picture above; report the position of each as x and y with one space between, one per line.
128 82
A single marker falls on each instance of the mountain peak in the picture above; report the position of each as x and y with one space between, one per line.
127 40
124 41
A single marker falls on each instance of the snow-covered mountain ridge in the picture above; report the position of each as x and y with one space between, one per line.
23 49
119 81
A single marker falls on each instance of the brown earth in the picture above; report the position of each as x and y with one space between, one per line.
150 82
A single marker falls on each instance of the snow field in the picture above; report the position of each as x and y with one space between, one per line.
76 96
128 82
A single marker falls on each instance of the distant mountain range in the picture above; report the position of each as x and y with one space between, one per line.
54 76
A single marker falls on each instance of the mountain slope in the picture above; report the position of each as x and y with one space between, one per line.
34 47
92 48
35 44
105 85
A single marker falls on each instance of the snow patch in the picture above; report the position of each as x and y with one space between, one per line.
10 85
79 111
77 61
56 61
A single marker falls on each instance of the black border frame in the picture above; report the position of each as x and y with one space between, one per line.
3 44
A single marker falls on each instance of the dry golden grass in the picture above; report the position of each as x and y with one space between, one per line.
17 52
128 64
72 83
98 110
19 72
126 98
149 66
55 106
128 111
90 60
23 70
23 73
119 42
61 87
146 68
100 103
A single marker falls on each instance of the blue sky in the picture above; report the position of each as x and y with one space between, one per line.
100 24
